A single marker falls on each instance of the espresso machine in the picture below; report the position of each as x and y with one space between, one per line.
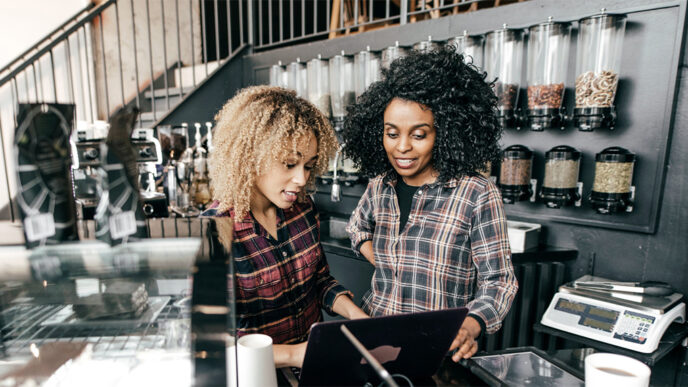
86 142
149 155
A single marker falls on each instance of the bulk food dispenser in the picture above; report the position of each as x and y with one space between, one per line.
471 47
278 75
598 60
342 92
319 84
503 60
391 53
612 190
560 187
366 70
515 172
426 45
297 78
547 63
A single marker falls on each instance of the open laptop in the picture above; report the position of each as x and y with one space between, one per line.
410 344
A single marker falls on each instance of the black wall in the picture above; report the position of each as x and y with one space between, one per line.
661 251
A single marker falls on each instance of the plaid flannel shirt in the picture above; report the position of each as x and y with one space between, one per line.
282 284
454 250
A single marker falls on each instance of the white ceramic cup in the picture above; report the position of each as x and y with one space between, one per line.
608 369
255 365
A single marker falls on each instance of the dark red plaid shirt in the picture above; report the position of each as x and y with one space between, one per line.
281 284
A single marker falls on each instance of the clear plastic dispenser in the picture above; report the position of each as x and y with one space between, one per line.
366 70
426 45
560 187
503 61
471 47
319 84
341 87
547 63
297 78
515 173
598 61
278 75
612 190
391 53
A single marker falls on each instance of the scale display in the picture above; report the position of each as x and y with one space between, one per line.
611 323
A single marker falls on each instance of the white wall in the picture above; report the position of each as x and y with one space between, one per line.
22 24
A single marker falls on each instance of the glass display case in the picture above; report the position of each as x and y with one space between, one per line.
84 311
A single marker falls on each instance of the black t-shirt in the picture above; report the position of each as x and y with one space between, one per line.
405 194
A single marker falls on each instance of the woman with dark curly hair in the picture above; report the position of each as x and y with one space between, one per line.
434 228
269 145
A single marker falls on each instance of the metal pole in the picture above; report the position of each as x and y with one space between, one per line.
281 20
105 78
204 44
403 12
270 21
229 29
193 45
136 62
179 50
69 70
119 53
164 55
150 62
52 70
250 22
217 32
88 77
81 76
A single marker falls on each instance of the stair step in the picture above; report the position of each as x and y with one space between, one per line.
173 92
147 117
186 72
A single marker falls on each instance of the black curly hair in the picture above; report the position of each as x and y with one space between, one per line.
462 103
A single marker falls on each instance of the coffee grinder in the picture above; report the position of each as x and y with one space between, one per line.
85 143
148 156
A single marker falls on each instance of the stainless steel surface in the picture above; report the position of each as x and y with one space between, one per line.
648 303
526 369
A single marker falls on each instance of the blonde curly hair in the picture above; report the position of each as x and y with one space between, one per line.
262 124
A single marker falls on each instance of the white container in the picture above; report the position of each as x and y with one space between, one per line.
522 235
254 362
608 369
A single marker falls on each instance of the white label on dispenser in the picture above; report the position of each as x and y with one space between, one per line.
122 224
39 227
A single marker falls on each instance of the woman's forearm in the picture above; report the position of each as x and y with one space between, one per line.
367 251
289 355
345 307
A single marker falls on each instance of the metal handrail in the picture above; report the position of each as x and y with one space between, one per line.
86 19
46 38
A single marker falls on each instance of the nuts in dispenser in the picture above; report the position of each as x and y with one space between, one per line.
545 96
506 94
596 90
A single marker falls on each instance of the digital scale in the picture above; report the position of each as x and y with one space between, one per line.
632 321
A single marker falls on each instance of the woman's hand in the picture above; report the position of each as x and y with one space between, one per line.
345 307
289 355
465 343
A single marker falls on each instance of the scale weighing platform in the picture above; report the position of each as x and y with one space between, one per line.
630 321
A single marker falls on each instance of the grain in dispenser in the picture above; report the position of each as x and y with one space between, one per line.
515 173
342 92
560 186
319 84
612 190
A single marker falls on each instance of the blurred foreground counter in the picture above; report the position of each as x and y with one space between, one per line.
125 315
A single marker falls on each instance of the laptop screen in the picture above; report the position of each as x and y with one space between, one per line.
411 344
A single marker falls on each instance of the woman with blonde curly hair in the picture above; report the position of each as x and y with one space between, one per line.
269 144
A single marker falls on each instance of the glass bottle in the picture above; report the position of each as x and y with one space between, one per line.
515 173
560 186
612 188
503 61
547 64
598 63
